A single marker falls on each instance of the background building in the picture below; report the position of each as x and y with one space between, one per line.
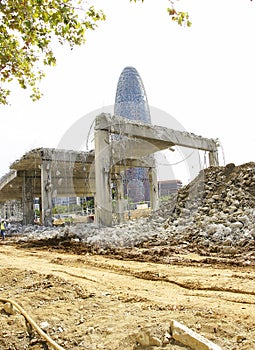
168 187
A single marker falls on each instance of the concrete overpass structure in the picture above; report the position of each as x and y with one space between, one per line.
48 173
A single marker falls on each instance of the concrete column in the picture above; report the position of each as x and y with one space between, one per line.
46 194
40 206
120 201
153 188
213 158
8 209
27 200
103 200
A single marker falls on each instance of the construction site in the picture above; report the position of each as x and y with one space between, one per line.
140 270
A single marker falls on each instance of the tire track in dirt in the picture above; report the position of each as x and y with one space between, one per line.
139 290
152 284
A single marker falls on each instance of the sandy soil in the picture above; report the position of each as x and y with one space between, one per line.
89 301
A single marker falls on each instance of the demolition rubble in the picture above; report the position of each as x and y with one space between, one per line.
109 302
212 216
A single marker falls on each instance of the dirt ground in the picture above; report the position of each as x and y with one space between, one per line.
85 300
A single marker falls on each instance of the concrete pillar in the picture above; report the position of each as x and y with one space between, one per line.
46 194
8 209
213 158
153 188
40 206
103 200
120 201
27 200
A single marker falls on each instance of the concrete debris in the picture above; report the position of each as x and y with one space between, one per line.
190 338
127 235
44 325
145 338
214 214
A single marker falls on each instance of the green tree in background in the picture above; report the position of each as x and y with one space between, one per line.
29 29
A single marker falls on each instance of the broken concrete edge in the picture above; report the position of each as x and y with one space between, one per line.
121 125
144 338
186 336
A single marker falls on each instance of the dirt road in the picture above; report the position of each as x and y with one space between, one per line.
96 302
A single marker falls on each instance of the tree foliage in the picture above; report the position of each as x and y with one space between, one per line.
28 30
180 17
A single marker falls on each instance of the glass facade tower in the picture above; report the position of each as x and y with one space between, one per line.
131 103
131 100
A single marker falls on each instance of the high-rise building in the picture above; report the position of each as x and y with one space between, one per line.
131 100
131 103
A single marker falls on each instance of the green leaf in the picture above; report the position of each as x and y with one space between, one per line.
28 28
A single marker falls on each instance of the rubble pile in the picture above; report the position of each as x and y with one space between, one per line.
215 212
126 235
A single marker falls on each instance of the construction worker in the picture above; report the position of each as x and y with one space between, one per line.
3 228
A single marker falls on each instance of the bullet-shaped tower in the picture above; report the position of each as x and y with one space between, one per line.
131 102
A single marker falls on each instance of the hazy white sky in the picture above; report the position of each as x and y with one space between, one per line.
204 76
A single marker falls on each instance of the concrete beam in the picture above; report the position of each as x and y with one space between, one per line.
11 186
159 136
34 158
7 178
131 148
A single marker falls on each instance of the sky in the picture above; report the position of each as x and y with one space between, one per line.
203 76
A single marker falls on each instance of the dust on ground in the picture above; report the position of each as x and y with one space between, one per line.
88 301
192 261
